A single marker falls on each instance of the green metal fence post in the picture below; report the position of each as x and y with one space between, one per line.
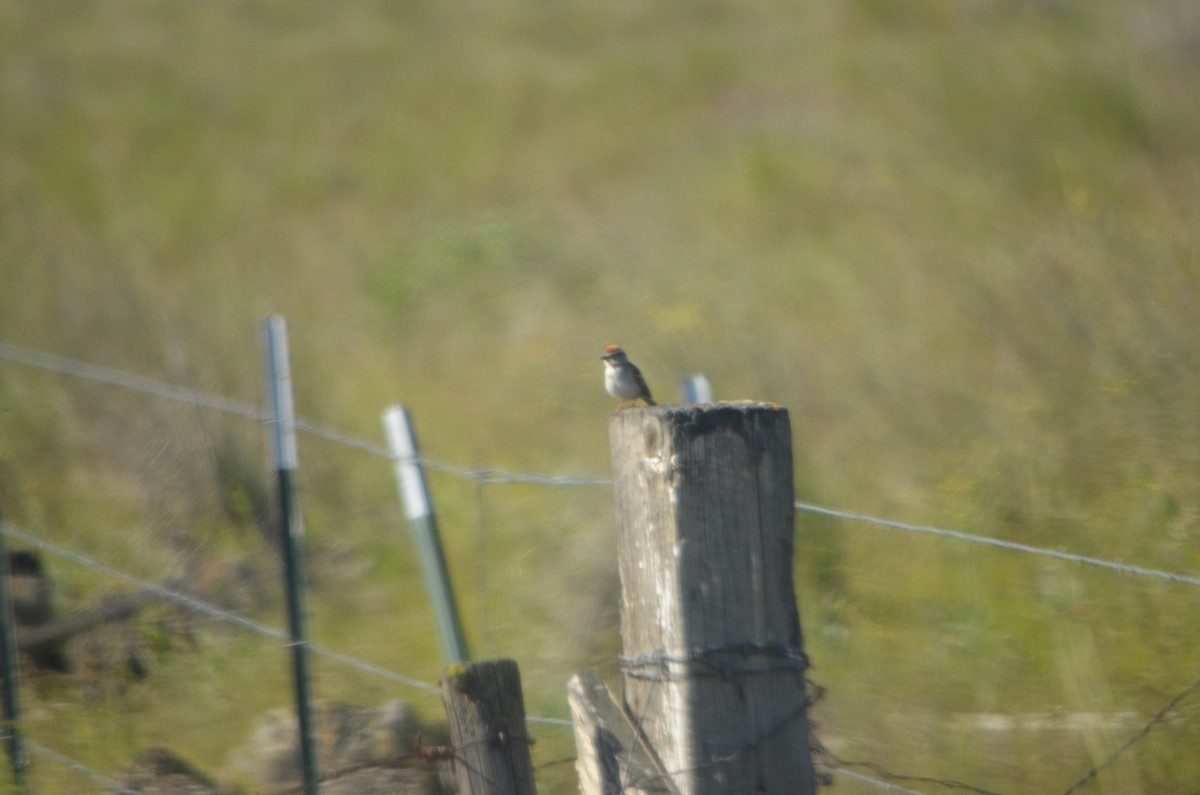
696 389
10 669
410 477
279 380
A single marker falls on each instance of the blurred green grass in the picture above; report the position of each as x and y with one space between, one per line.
957 240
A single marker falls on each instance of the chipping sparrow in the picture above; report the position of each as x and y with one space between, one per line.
622 379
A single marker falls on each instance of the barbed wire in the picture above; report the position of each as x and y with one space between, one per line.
867 779
641 742
797 660
886 786
371 668
211 610
167 391
135 383
562 723
385 673
888 774
150 386
668 777
109 784
183 600
1124 568
1138 735
488 476
345 439
714 661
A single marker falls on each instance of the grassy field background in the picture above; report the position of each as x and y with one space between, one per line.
958 240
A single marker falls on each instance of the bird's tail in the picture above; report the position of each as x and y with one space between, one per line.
649 401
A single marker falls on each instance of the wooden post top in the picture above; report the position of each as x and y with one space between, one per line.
728 409
705 504
641 432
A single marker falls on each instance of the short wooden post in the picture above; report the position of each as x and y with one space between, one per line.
486 711
714 659
613 758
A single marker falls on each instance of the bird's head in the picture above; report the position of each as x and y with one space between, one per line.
613 353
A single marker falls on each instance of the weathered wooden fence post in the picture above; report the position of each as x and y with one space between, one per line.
486 711
714 659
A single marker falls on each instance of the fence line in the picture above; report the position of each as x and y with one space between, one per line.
155 388
1124 568
886 786
135 383
489 476
371 668
193 397
841 765
167 594
1138 735
79 767
211 610
560 722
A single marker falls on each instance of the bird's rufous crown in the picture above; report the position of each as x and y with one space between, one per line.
611 349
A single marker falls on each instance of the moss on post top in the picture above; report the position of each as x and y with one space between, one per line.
456 675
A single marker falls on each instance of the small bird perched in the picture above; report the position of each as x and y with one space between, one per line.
622 379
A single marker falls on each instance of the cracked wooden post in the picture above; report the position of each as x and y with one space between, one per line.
713 665
486 711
